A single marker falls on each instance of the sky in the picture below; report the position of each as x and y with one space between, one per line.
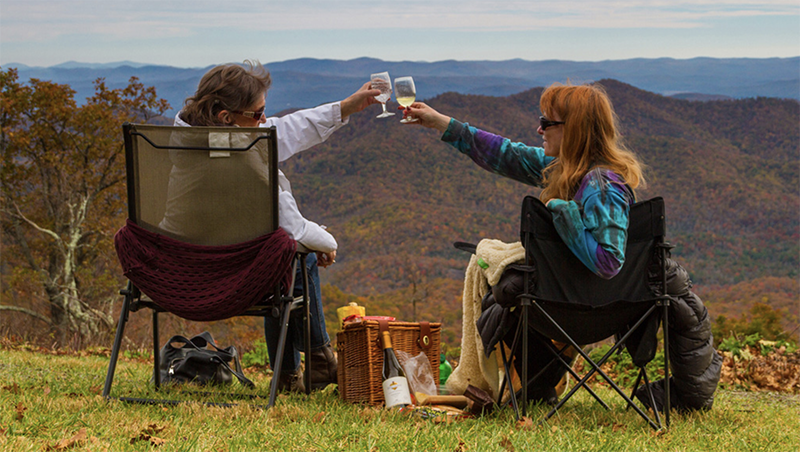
201 33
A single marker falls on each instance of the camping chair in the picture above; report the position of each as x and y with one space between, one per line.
202 239
565 302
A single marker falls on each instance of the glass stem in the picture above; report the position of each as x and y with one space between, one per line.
383 104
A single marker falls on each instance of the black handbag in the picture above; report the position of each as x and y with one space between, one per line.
196 363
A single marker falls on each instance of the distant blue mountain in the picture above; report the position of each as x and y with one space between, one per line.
308 82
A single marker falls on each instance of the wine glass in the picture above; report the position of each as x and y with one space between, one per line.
382 82
405 93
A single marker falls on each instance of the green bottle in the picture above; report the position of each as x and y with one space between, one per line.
445 369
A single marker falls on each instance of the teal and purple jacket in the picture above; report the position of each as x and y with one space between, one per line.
593 224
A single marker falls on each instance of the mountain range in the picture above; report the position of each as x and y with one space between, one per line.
307 82
720 139
396 197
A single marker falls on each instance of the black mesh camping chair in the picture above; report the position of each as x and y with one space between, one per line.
566 302
202 239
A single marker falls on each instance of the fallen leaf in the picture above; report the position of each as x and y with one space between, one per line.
462 446
525 423
319 418
149 438
506 444
20 409
77 440
14 389
154 428
47 390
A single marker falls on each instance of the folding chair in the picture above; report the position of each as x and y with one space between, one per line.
202 239
565 302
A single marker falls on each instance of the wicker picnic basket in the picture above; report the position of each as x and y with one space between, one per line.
361 355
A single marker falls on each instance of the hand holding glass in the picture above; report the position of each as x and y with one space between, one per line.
405 93
382 82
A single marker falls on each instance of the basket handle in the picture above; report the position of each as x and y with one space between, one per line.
424 340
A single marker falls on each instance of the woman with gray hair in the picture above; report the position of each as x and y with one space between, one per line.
235 95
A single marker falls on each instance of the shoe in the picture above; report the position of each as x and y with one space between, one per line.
292 382
324 367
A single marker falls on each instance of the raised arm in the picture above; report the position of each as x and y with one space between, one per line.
491 152
303 129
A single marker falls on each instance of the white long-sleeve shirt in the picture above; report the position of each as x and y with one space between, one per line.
296 132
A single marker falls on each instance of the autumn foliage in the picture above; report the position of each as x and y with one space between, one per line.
396 198
62 199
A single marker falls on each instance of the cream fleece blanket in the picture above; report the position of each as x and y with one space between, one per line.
484 270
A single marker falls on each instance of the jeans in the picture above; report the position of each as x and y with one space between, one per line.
294 339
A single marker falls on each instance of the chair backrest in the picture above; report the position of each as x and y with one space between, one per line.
203 240
202 185
562 277
586 305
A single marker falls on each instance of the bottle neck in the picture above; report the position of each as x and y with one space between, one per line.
387 340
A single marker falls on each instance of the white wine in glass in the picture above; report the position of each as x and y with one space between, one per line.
405 93
382 82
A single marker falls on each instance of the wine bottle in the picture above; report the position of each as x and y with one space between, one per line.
395 384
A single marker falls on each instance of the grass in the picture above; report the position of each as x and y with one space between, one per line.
54 402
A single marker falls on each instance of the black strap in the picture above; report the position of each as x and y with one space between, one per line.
229 352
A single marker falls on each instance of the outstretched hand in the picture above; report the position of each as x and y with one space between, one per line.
427 116
359 100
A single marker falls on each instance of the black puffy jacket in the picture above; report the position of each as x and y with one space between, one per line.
694 362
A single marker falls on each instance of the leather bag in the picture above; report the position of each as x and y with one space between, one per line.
195 362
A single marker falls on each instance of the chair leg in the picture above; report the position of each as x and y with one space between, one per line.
636 385
559 354
123 319
526 303
596 366
306 325
273 387
507 379
665 326
156 353
652 398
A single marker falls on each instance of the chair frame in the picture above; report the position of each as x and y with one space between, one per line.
530 302
134 299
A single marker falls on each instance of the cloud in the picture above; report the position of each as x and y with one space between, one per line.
46 20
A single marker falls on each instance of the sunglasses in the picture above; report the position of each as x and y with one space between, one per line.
251 114
544 123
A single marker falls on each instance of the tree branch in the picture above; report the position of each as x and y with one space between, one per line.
18 235
26 311
36 226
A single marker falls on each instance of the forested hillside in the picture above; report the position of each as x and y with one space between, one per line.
396 197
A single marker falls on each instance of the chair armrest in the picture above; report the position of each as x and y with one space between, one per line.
464 246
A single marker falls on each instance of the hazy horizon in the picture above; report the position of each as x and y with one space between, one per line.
113 64
192 34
